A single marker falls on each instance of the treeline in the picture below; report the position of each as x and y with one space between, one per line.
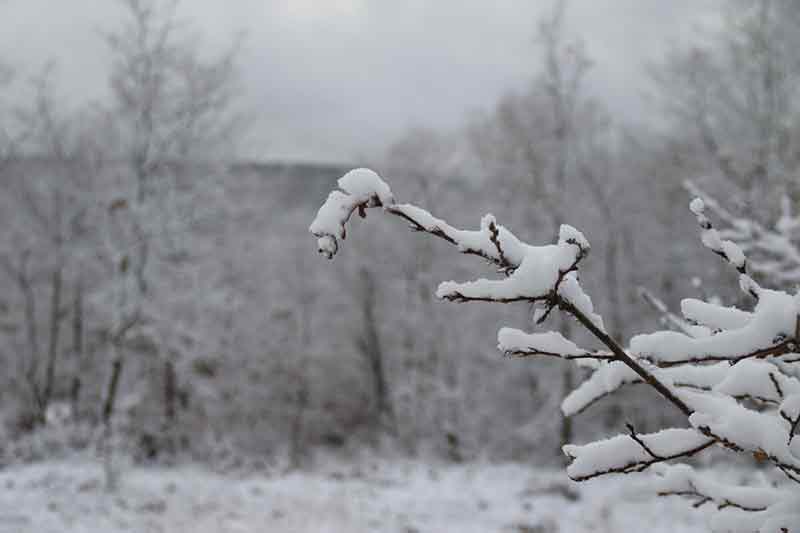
152 291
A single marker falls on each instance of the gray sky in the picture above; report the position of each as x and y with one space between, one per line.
334 79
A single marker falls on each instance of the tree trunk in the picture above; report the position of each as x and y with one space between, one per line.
111 389
296 449
55 329
170 393
32 370
170 406
77 348
370 347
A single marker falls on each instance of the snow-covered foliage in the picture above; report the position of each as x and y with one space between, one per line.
732 375
773 251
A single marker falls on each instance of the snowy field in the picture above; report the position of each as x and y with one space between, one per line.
406 498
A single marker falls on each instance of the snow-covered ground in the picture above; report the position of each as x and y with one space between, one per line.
387 497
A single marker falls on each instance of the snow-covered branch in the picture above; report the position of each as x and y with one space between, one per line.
515 343
773 252
725 248
729 371
683 480
769 332
633 452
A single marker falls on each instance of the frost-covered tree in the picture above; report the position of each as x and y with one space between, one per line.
175 121
549 142
732 376
47 204
732 93
112 214
428 390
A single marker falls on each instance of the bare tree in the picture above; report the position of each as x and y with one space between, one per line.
429 393
370 346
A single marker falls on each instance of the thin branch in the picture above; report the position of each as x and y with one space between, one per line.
641 443
668 316
726 249
642 465
775 384
793 430
532 352
623 357
703 499
495 238
788 346
125 327
503 264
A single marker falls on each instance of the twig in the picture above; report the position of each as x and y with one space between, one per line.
640 466
641 443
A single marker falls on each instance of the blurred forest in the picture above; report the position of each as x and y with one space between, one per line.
161 298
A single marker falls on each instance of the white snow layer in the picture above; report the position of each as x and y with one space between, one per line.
364 183
361 187
774 317
714 316
536 277
512 341
623 454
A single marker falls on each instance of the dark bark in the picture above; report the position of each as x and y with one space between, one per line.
622 356
77 347
296 448
170 406
370 346
22 278
170 393
111 391
54 335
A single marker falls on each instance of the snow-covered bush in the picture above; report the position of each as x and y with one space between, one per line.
733 374
58 436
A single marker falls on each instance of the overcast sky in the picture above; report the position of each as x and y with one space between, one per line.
334 79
